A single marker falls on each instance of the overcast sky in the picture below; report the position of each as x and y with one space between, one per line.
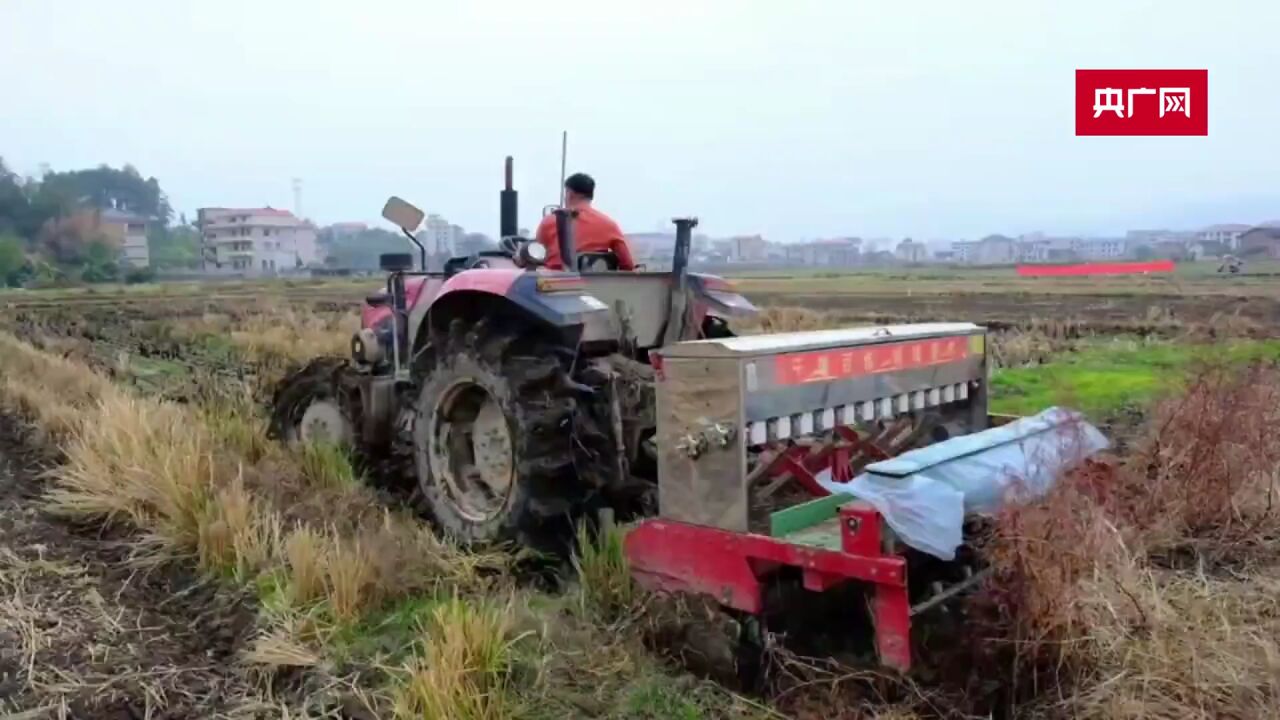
790 118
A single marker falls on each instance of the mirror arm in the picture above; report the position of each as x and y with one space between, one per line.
422 251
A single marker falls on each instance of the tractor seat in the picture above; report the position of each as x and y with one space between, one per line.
378 299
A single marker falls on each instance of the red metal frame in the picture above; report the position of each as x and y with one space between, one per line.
672 556
804 463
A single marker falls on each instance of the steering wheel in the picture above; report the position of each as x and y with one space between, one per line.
478 260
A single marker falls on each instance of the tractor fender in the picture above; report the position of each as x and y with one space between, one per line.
720 297
557 301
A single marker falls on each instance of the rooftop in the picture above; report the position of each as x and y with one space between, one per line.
113 215
253 211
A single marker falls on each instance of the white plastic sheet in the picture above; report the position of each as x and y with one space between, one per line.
925 494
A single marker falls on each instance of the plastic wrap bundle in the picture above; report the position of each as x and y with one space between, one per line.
925 494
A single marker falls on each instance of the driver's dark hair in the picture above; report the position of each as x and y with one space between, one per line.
582 184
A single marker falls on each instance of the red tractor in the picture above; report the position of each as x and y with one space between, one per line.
512 399
508 397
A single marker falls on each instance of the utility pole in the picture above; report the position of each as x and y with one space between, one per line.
564 152
297 197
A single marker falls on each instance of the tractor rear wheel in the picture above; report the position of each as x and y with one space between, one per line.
492 437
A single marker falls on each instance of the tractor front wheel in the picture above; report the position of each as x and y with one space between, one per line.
309 407
492 437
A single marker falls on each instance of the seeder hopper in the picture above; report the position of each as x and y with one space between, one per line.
734 415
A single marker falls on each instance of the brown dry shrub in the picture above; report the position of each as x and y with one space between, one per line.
1015 348
284 338
775 319
1136 588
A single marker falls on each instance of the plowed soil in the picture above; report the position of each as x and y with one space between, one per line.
87 633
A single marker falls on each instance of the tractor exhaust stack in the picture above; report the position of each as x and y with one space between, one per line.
509 206
677 301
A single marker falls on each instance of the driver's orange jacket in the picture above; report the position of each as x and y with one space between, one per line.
593 231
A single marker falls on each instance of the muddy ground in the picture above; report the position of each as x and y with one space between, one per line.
1243 314
1246 316
85 632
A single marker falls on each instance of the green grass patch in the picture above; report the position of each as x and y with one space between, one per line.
328 465
272 590
604 577
388 633
659 698
1109 377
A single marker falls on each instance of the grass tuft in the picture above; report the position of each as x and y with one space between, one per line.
327 465
607 591
141 461
304 551
463 670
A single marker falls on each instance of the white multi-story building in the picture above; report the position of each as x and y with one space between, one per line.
442 238
1100 248
1227 233
256 241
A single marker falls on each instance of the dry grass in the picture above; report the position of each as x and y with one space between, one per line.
47 388
351 578
192 486
142 461
463 669
232 417
1145 587
304 551
293 335
776 319
1142 588
239 533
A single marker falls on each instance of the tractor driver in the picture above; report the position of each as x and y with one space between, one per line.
593 231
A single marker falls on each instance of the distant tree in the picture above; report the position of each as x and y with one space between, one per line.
101 262
13 260
173 247
66 241
1144 252
14 205
105 187
473 243
137 276
360 251
55 220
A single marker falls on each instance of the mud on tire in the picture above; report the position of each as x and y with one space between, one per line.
481 381
318 380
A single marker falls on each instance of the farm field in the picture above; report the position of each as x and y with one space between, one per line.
161 557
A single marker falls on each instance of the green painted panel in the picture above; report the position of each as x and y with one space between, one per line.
798 517
825 535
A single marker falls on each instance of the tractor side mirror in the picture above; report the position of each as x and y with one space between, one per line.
404 214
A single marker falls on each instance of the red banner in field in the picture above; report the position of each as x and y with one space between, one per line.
1142 102
825 365
1115 268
